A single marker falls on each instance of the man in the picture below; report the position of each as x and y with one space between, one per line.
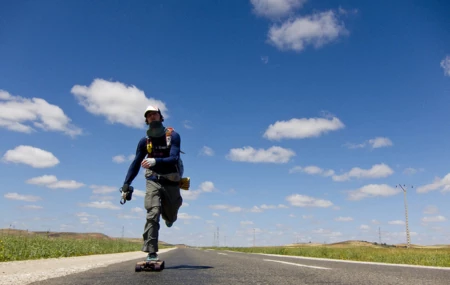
163 174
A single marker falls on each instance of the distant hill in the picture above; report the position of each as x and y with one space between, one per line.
362 243
73 235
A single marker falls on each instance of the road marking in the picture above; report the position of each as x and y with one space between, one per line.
357 262
222 253
296 264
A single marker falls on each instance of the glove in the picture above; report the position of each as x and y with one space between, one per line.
148 162
127 192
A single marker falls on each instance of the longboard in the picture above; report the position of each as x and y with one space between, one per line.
157 265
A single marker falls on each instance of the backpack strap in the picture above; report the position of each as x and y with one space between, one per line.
169 131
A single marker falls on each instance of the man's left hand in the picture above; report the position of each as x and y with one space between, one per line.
148 162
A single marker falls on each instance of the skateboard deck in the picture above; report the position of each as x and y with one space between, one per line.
157 265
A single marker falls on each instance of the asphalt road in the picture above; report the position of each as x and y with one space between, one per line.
194 266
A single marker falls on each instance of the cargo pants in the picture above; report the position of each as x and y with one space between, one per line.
160 199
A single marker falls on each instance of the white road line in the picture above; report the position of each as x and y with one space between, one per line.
356 262
296 264
222 253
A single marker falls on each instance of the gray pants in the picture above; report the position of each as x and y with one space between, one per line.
160 199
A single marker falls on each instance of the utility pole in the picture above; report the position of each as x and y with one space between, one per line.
218 240
408 239
123 228
379 233
253 237
214 242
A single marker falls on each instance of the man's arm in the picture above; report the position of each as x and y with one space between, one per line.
174 151
133 170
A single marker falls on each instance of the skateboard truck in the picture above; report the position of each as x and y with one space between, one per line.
157 265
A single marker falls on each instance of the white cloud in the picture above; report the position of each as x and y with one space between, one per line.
228 208
396 222
243 223
275 8
50 181
306 201
302 128
256 209
32 156
265 59
274 154
434 219
375 222
84 217
411 171
377 142
343 219
103 197
442 184
103 189
138 193
205 187
191 194
101 205
42 180
316 30
364 227
117 102
376 171
327 233
137 210
207 151
373 190
15 111
185 216
430 210
445 64
121 158
17 196
32 207
187 124
312 170
260 209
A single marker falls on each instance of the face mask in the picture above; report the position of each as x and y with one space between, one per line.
156 129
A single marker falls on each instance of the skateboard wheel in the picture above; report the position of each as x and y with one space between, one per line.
137 268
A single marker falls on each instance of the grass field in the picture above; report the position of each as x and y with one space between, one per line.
414 256
23 245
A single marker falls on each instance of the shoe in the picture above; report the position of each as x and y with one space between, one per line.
168 224
152 257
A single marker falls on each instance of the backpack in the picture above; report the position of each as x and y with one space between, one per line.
169 130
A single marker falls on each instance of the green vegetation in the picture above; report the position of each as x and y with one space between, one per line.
35 246
414 256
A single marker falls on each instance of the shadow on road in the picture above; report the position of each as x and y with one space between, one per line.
188 267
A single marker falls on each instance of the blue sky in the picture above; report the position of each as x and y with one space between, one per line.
298 118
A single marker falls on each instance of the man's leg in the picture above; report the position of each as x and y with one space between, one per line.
171 202
153 206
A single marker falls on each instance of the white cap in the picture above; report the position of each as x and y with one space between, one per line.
151 108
